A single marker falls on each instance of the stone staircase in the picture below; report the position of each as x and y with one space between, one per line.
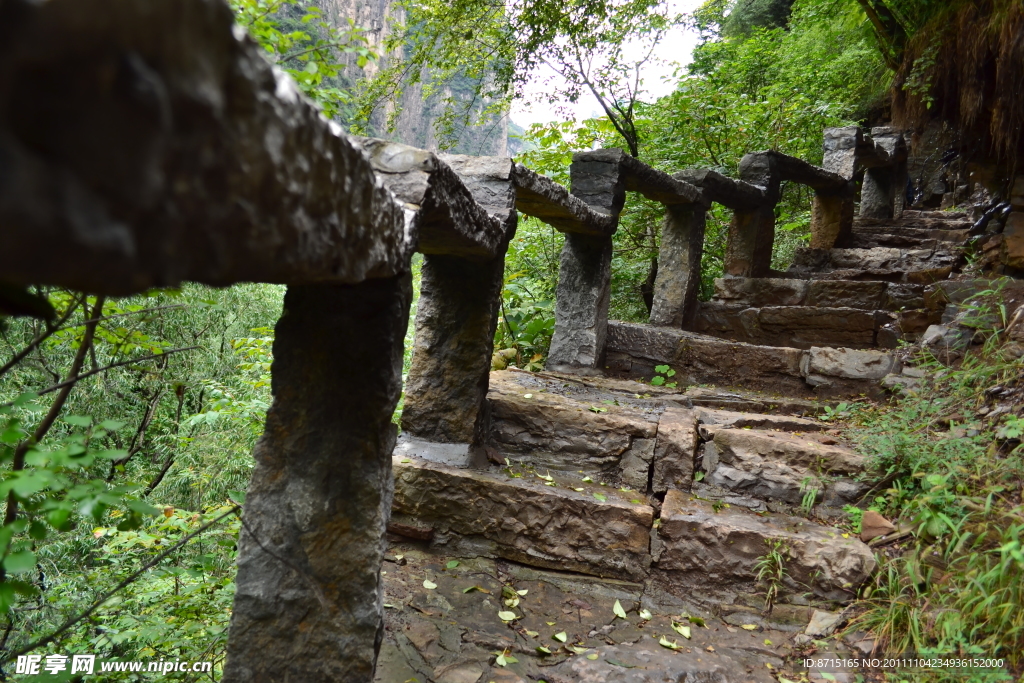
686 489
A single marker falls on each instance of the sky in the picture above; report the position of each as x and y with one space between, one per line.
674 50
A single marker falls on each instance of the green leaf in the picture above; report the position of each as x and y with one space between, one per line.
662 369
543 650
664 642
507 616
645 614
682 630
600 496
429 585
475 588
617 609
452 564
657 381
17 563
561 637
144 508
237 497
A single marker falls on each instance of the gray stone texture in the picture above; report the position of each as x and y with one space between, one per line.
832 219
675 452
562 433
748 249
308 604
703 551
779 466
542 198
581 308
679 265
794 326
596 177
525 521
445 217
146 144
840 148
729 192
744 420
456 318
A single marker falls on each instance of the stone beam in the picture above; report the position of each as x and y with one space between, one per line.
146 143
457 314
635 176
729 192
544 199
308 606
799 171
444 217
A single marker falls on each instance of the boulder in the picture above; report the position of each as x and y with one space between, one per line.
701 552
1013 240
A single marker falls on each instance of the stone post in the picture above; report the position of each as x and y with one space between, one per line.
581 304
882 193
840 150
308 603
455 323
679 258
748 251
831 219
584 271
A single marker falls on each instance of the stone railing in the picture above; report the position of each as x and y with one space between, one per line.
144 143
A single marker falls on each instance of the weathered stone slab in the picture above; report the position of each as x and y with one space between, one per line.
742 420
523 521
542 198
761 291
850 363
868 296
794 326
780 466
562 433
321 491
634 350
700 551
885 263
729 192
840 147
146 144
676 451
446 218
832 219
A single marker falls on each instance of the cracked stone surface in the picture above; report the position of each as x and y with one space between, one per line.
448 635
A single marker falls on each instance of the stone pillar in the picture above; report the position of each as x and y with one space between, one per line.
584 270
446 390
748 250
581 304
308 603
883 191
840 150
831 219
679 261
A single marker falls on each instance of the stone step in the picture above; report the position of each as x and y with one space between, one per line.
864 295
712 552
514 515
915 238
929 223
799 327
915 214
819 372
889 264
759 467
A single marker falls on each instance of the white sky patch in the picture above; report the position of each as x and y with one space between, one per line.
674 51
